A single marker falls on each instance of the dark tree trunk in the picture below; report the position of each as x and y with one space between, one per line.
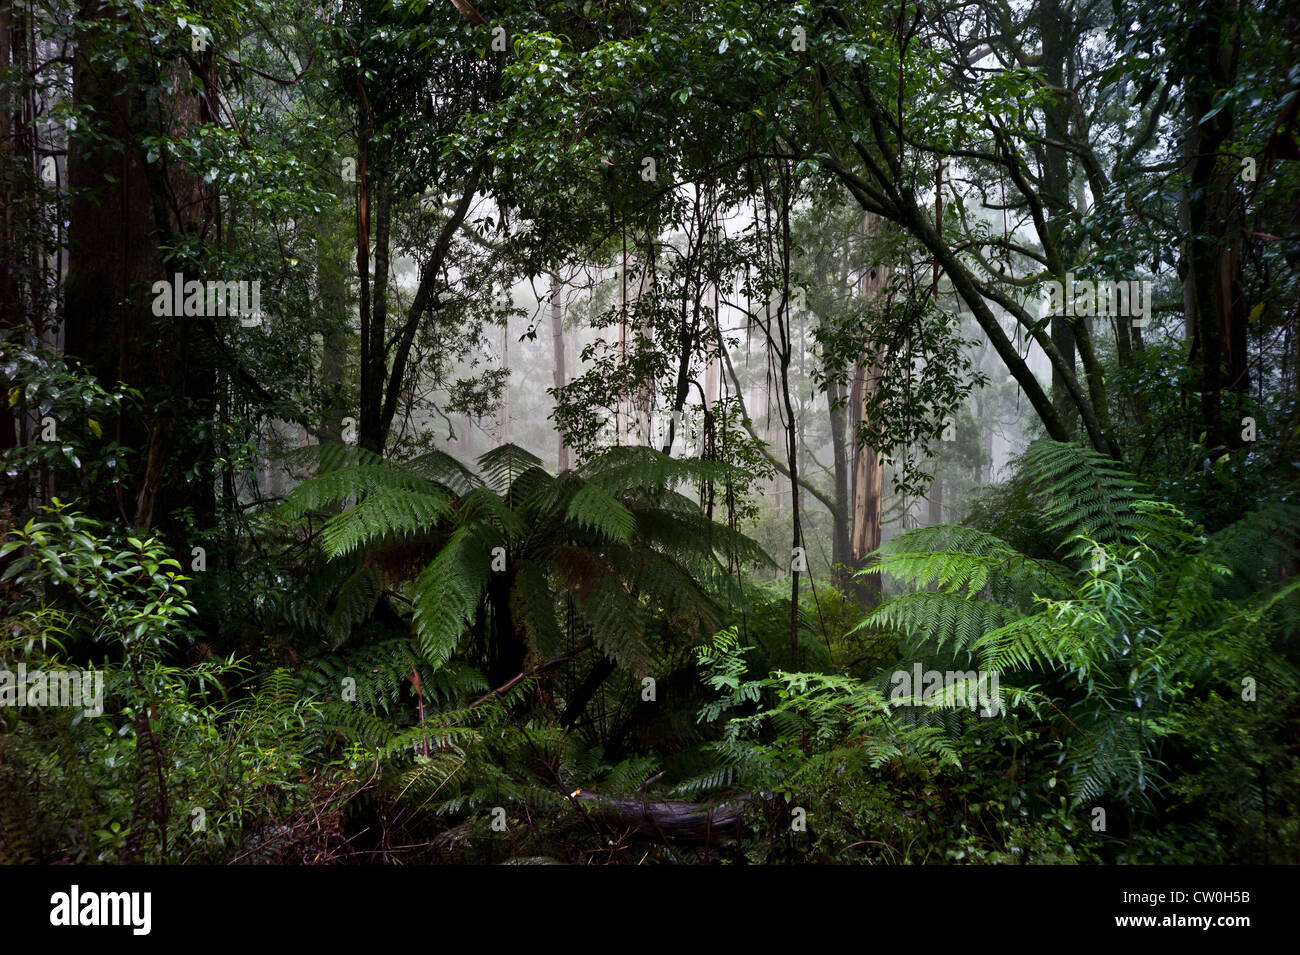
1057 31
1212 280
124 211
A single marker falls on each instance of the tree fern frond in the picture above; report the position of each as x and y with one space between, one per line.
443 469
598 510
535 607
332 487
626 467
666 585
484 506
331 456
965 559
447 592
1086 492
385 513
690 534
502 465
616 625
1258 545
1025 643
356 601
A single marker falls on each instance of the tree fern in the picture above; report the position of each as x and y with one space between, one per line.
963 560
594 508
799 719
495 556
398 513
501 466
1136 615
446 593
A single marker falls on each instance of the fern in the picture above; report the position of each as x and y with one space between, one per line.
397 513
501 466
481 557
965 560
597 509
1084 492
356 599
826 712
447 592
940 620
1136 614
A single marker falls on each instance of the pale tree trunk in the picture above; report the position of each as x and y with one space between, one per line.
623 402
332 271
868 475
711 381
841 529
557 348
986 463
503 410
935 500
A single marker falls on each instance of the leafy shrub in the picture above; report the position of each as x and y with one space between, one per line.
173 770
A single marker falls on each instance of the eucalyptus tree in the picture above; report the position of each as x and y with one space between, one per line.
184 155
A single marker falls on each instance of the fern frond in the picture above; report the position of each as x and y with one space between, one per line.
502 465
1025 643
332 487
444 470
535 607
356 601
385 513
598 510
940 619
484 506
447 592
626 467
1258 545
616 624
1085 492
969 561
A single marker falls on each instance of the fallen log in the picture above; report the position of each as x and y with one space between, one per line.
668 820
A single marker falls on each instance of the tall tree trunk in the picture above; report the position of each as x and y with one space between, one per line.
1212 295
503 409
868 487
557 349
332 269
19 229
1057 34
935 500
372 429
868 475
124 211
841 530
